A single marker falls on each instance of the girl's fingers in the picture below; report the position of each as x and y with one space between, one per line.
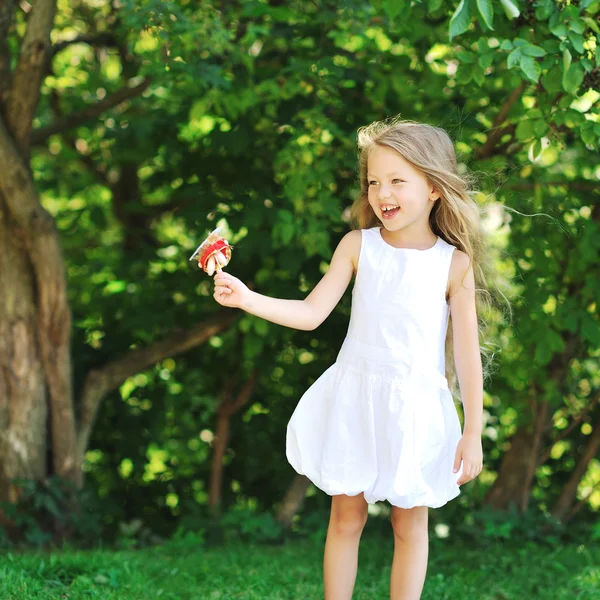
457 462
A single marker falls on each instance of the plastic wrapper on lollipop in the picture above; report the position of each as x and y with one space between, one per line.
213 253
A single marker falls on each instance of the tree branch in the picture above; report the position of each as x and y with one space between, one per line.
579 505
229 407
94 110
29 72
577 420
569 490
7 8
496 131
100 382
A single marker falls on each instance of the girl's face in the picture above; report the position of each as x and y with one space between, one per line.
395 184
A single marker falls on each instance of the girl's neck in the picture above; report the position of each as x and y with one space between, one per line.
406 238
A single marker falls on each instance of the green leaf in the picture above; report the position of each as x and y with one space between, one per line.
466 57
392 8
524 129
566 59
544 10
486 10
540 127
592 24
571 321
483 46
559 30
536 149
434 5
114 287
461 19
590 330
588 136
573 78
577 25
555 340
512 12
513 58
532 50
485 60
478 76
552 80
576 41
531 68
506 45
542 354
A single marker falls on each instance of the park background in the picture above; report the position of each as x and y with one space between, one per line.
139 416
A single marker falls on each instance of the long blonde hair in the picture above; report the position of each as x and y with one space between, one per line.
455 216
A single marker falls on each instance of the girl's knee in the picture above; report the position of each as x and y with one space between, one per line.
410 524
348 515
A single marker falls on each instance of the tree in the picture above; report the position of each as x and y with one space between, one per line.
36 383
143 122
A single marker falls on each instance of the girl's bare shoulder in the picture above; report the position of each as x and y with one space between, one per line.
459 268
350 244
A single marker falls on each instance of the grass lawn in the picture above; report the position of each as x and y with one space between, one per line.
293 572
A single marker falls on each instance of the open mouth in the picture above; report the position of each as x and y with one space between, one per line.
389 212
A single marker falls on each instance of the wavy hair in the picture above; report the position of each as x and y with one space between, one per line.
455 216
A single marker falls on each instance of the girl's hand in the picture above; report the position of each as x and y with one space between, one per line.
470 452
229 290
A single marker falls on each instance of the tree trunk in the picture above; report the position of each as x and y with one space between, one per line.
517 470
220 441
569 491
38 431
293 500
226 410
23 409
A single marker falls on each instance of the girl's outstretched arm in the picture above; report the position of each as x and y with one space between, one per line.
467 359
305 314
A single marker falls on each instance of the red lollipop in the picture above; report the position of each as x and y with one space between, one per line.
213 253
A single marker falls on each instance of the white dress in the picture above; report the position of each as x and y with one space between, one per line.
381 420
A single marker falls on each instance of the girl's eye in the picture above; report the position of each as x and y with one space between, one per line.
393 180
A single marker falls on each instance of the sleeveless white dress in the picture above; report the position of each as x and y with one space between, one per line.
381 420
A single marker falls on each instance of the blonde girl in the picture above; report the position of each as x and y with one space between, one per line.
380 423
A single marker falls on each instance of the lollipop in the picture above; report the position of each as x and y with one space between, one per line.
213 253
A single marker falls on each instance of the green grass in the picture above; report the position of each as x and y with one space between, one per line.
293 572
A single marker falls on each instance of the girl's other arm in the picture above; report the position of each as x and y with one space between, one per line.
305 314
467 359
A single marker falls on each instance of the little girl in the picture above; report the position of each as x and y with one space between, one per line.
380 423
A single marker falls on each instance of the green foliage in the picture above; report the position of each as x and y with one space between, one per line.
250 526
250 122
532 526
48 512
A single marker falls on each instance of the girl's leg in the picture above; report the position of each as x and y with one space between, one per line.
411 550
340 562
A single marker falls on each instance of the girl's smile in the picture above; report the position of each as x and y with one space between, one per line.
389 211
399 193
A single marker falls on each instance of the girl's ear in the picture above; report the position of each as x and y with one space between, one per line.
433 193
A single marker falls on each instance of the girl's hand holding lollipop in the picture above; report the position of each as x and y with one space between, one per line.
230 291
212 255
